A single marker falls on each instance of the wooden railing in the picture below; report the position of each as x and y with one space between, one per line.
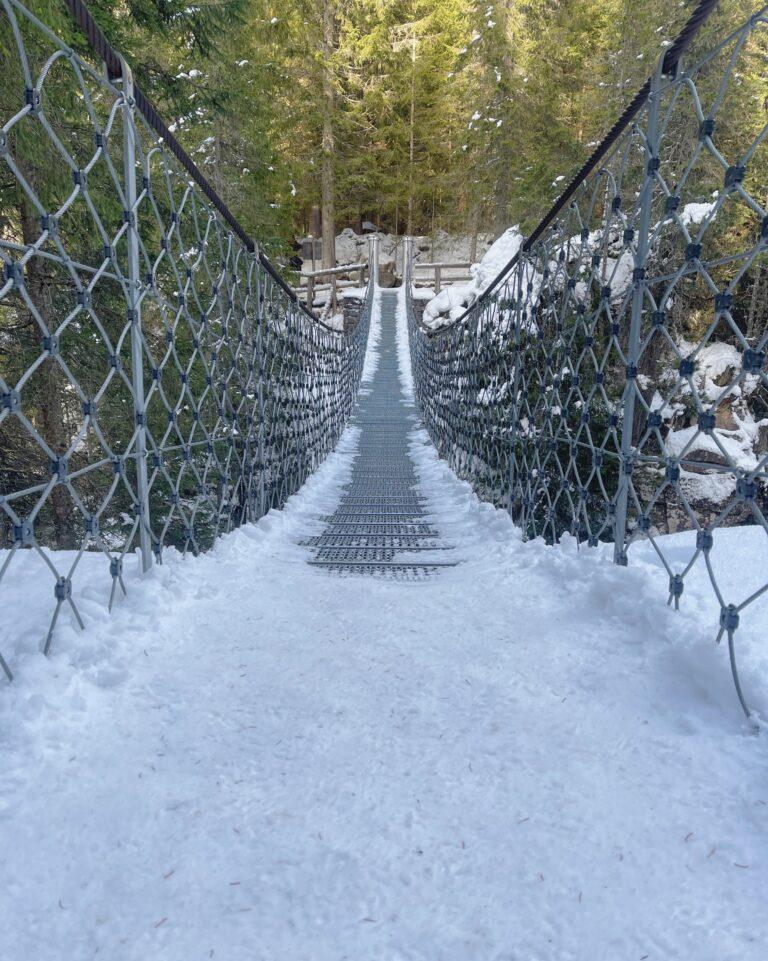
439 278
311 287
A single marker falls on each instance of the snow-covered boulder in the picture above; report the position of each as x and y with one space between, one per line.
451 302
351 248
738 440
496 258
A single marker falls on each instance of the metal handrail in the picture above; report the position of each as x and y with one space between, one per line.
343 269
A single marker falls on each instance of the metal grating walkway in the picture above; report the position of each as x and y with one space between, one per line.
382 524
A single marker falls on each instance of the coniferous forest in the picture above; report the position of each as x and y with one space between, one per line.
416 114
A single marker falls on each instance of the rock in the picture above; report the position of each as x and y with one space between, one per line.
724 418
669 514
387 273
697 456
418 309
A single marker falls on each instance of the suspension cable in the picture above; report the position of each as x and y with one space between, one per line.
106 52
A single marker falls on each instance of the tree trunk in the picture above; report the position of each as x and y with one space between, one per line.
327 177
501 199
315 222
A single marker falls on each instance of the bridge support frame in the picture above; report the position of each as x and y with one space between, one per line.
374 259
629 398
134 308
512 473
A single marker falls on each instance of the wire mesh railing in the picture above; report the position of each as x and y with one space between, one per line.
611 383
159 383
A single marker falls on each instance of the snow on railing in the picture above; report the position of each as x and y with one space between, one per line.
611 382
160 384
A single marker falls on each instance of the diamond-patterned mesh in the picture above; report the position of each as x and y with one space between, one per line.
158 385
614 385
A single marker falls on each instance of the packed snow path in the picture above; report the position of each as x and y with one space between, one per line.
381 517
526 756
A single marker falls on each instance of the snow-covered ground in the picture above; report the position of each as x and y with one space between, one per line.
528 756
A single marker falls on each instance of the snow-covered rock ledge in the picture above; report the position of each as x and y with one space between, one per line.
451 302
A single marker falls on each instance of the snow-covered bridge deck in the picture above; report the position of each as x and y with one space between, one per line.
278 764
382 524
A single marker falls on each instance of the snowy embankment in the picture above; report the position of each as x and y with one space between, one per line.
527 756
740 438
323 301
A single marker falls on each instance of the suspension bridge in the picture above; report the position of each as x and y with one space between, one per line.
357 641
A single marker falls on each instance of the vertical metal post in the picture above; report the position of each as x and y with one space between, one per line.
408 263
375 258
134 312
260 294
633 347
370 259
518 308
438 278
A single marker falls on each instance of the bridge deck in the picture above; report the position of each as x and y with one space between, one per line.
382 525
524 756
